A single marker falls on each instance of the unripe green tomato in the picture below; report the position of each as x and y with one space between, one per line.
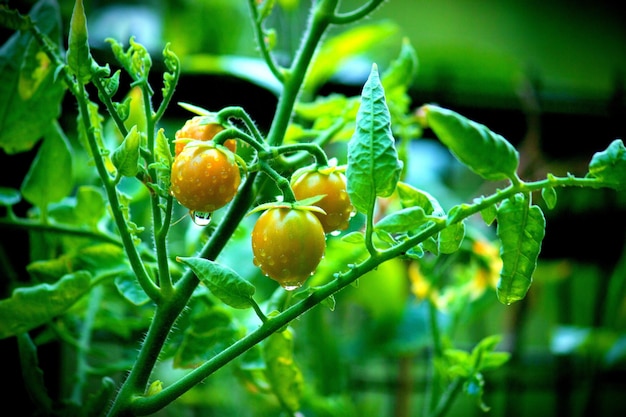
336 202
288 245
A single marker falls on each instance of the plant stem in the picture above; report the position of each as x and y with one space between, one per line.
148 405
95 297
127 239
281 182
437 353
447 398
357 14
309 147
37 225
294 78
166 315
260 37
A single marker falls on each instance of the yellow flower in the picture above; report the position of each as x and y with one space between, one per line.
420 285
489 266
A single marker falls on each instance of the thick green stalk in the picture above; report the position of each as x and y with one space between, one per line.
166 315
294 78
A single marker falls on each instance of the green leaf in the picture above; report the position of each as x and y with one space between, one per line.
13 20
402 221
451 237
336 51
98 260
411 196
78 55
253 70
396 81
521 229
33 375
100 399
402 71
353 237
494 360
222 281
483 348
90 206
163 152
210 331
489 214
610 165
110 85
282 372
30 97
130 289
126 156
50 176
549 196
486 153
28 308
457 363
136 59
49 270
172 63
373 164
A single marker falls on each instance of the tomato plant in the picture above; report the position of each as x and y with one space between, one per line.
369 265
288 243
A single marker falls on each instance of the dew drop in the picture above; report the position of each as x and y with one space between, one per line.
201 218
291 285
335 233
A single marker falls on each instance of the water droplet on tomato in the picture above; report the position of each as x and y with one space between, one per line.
201 218
291 285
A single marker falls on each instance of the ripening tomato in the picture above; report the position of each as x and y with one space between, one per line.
288 244
204 178
201 128
336 202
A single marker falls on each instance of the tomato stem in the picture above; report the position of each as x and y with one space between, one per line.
263 45
312 148
237 112
281 182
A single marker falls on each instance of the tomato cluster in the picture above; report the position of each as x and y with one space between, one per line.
288 239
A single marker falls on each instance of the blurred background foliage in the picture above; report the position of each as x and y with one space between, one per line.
547 75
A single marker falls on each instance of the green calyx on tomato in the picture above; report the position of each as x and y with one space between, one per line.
288 243
330 184
203 128
204 177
